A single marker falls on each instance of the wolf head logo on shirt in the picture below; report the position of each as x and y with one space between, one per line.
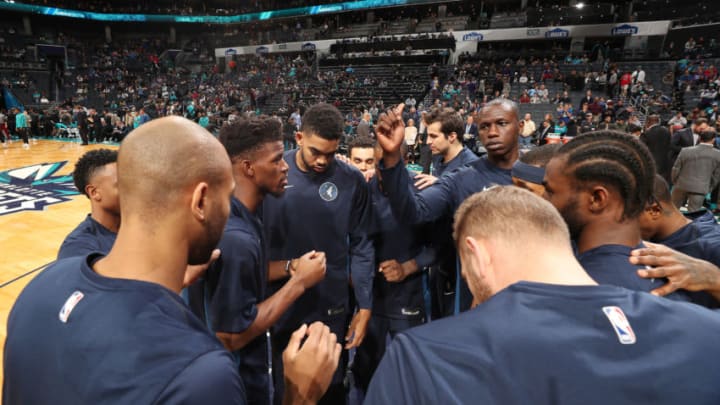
328 191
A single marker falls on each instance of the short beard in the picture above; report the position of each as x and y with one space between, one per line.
572 218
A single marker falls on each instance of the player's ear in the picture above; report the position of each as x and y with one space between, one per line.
199 201
92 192
477 254
654 210
247 168
598 198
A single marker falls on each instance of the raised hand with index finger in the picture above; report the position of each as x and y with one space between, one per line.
390 131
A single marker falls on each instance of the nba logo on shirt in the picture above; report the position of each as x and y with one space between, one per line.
328 191
70 304
620 323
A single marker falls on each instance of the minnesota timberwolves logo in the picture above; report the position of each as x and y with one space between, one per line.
32 188
328 191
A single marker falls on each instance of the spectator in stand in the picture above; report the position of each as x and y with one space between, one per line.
587 100
625 82
528 131
635 130
708 96
363 128
634 120
587 124
638 75
690 46
547 127
524 97
560 128
543 94
203 119
677 122
411 134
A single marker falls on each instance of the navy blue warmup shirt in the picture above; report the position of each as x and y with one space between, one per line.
400 242
442 198
443 242
538 343
609 264
326 212
88 237
464 157
76 337
699 239
232 288
440 201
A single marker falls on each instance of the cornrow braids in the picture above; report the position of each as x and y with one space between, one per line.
616 159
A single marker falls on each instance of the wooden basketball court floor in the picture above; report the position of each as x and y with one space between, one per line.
30 231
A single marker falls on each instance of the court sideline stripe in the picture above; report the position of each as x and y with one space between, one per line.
26 274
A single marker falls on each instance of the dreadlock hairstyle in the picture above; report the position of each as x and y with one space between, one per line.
615 159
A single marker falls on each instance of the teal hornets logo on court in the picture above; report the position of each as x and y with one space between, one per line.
32 188
328 191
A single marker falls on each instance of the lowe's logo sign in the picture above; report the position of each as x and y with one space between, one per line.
625 29
557 33
473 36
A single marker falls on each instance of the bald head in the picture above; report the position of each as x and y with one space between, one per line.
503 103
510 215
164 158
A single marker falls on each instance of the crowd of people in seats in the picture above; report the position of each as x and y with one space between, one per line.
299 265
441 250
114 82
